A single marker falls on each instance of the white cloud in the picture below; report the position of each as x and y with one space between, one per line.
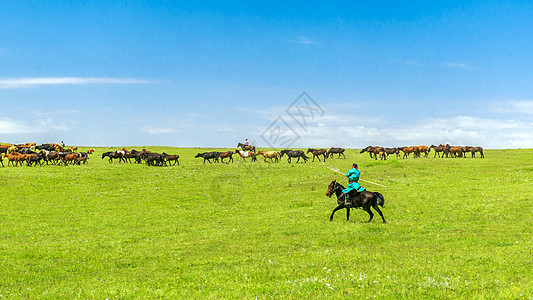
43 125
302 40
458 65
459 130
514 107
159 130
28 82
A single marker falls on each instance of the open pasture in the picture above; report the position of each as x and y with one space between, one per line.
456 228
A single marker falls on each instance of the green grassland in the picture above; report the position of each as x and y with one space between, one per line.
456 228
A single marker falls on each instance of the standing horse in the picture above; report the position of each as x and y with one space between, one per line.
437 149
473 150
317 153
365 200
246 147
338 151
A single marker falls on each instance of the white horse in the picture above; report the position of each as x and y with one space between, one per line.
245 154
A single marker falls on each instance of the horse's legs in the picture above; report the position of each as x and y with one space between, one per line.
367 209
340 206
376 207
347 214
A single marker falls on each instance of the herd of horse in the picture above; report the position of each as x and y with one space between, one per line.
441 150
33 155
248 151
150 158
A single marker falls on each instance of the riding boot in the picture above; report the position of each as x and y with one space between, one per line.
347 200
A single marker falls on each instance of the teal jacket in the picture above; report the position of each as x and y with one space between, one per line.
353 174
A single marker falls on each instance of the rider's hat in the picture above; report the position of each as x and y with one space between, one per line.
355 165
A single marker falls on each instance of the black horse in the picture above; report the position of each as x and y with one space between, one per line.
294 154
113 155
364 200
209 155
338 151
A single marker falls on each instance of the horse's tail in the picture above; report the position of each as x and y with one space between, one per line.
379 198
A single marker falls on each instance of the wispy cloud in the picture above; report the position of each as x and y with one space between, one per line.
412 62
523 107
302 40
28 82
458 65
43 125
158 130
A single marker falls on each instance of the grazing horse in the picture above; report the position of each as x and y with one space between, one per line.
293 154
338 151
246 154
228 154
208 155
270 155
246 147
317 153
370 150
364 200
473 150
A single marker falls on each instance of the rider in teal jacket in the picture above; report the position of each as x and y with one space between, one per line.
353 178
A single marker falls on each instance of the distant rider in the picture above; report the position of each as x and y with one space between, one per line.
353 178
246 143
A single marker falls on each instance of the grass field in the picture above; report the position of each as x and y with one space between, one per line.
456 228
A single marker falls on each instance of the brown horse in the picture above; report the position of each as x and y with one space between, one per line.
317 153
246 147
473 150
456 151
423 149
390 151
364 199
244 155
409 150
169 158
370 150
228 154
14 158
437 149
272 155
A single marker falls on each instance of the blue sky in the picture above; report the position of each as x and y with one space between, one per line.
201 74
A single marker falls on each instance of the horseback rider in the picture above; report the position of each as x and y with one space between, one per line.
246 143
353 178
